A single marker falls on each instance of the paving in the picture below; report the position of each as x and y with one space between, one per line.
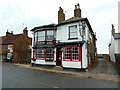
104 67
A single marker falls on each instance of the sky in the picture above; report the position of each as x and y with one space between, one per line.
17 14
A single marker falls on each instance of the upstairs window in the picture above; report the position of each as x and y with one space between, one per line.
35 37
10 47
50 35
41 36
73 32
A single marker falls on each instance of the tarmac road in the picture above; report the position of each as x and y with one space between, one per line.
18 77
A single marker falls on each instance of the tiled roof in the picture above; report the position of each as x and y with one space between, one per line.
44 27
10 39
73 19
116 35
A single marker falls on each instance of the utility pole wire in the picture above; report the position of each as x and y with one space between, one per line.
19 9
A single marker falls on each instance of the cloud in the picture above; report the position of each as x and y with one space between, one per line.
101 14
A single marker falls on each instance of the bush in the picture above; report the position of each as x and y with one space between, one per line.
117 58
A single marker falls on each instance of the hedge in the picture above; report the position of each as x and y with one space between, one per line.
117 58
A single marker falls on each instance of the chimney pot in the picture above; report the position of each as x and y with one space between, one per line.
75 6
25 31
77 11
113 30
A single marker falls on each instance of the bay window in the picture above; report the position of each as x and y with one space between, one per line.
40 53
35 37
73 32
45 53
49 53
41 36
50 35
34 53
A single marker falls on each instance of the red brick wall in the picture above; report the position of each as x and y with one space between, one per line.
91 51
21 52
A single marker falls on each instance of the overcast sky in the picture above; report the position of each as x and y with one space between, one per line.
17 14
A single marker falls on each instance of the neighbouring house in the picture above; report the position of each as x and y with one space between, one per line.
69 44
114 44
16 47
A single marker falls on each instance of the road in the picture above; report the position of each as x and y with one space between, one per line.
18 77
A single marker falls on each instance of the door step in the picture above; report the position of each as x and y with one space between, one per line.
58 68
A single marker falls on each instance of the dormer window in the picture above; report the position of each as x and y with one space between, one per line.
73 32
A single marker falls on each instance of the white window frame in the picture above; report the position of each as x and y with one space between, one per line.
10 47
73 31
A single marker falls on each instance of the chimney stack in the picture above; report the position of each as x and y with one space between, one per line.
25 31
8 33
113 30
77 11
61 15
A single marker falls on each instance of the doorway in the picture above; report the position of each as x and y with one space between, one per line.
58 57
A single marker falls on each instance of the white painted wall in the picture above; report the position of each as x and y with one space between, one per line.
84 56
112 49
117 45
43 62
71 64
62 33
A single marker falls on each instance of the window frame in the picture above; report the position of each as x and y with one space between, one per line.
72 32
45 54
36 37
35 53
41 36
9 47
40 53
49 35
71 53
52 54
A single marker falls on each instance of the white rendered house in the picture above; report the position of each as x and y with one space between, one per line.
114 46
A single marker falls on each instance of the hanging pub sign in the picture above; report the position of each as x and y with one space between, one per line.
82 28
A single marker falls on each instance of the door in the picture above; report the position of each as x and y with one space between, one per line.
58 57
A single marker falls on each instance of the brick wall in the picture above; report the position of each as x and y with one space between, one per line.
21 52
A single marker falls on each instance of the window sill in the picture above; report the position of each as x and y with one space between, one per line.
49 60
72 60
72 38
40 58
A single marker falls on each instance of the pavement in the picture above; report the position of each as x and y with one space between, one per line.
104 70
